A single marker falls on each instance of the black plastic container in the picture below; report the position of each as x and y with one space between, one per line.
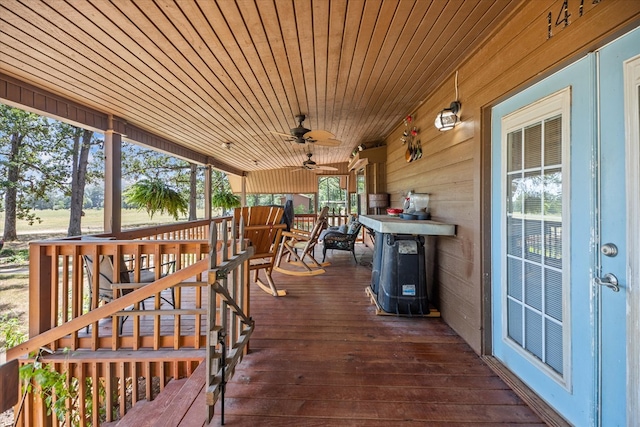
402 282
377 261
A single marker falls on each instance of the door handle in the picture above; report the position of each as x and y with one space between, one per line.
610 281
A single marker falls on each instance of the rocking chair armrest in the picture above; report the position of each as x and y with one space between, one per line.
295 236
298 232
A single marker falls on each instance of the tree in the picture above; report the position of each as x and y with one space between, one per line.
80 159
30 156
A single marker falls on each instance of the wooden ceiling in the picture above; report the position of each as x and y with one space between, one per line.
202 72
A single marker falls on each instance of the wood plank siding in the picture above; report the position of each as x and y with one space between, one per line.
517 54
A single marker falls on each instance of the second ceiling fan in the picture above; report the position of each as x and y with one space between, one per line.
302 135
310 165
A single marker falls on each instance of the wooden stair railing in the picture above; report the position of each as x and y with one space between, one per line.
106 365
104 356
230 329
102 373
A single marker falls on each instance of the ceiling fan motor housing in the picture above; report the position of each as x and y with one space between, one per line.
298 132
309 162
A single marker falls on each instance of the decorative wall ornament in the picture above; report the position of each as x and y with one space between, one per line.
409 136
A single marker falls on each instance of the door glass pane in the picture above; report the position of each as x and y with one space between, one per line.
552 146
532 145
514 151
533 217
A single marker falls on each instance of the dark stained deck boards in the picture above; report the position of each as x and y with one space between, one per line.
320 356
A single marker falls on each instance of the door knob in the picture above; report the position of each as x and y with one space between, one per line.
609 249
609 280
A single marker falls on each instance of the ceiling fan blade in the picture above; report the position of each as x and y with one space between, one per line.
326 168
281 134
328 142
319 134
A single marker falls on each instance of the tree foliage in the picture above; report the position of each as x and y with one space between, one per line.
31 152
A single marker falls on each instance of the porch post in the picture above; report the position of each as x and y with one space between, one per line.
207 192
348 204
112 178
243 195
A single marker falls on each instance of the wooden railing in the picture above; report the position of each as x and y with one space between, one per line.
230 329
306 221
105 363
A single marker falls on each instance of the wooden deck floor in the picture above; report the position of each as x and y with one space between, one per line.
321 356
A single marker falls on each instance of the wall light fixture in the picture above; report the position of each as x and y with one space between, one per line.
448 118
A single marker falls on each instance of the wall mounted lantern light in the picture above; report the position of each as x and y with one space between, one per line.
448 118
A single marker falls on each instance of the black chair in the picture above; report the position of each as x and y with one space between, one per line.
341 239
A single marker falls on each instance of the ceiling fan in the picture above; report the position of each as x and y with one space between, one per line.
302 135
310 165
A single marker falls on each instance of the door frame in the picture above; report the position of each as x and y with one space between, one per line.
632 132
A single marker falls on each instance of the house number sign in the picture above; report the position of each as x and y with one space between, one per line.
563 15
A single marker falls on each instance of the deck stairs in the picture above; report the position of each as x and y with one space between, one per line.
180 403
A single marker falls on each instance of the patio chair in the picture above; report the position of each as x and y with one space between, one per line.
263 228
342 239
108 290
295 241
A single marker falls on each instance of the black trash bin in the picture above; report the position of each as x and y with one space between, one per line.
402 282
377 261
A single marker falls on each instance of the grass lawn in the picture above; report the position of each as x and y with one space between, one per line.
57 221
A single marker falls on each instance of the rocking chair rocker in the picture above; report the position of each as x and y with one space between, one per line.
295 241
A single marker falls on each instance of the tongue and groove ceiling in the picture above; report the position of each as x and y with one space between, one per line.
202 73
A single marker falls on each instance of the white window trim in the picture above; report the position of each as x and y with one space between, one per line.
558 103
632 148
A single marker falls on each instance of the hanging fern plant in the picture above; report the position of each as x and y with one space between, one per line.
155 195
225 200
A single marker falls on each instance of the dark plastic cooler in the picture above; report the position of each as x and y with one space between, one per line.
401 283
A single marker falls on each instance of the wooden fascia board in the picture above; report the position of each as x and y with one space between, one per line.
28 97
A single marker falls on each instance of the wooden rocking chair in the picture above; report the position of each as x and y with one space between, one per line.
263 228
295 241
